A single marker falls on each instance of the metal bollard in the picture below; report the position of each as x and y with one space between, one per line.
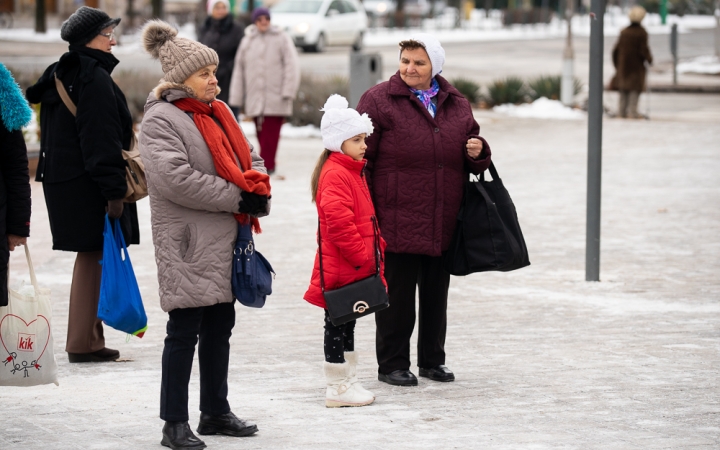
673 50
365 72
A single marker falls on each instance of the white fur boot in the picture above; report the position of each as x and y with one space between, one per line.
340 391
352 359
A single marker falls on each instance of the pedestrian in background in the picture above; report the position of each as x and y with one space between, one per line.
14 177
191 144
346 220
629 56
222 33
425 143
82 168
265 81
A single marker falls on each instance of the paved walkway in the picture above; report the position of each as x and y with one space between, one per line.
543 359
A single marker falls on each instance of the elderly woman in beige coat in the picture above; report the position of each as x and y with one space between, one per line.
189 141
265 80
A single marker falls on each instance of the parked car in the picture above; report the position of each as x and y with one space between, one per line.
315 24
421 8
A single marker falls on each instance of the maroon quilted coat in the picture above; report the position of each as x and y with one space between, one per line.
345 211
418 164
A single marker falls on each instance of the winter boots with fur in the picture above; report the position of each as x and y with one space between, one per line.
343 387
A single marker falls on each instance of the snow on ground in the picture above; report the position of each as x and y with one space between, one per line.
479 28
541 108
287 130
702 64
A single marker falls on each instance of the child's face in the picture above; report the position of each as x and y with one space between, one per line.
355 147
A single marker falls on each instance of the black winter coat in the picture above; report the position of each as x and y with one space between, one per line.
81 164
224 37
14 197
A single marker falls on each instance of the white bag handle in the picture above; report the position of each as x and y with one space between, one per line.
33 280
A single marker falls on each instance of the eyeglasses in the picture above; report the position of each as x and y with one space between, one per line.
110 36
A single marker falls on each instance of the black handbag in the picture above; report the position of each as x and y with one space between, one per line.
487 236
252 274
357 299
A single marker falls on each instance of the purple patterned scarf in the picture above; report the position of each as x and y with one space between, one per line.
425 97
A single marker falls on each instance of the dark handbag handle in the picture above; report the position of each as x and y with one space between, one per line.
376 243
493 172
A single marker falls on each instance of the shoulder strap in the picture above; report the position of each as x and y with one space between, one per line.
64 96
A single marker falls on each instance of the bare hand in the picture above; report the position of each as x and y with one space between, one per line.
474 147
14 241
115 208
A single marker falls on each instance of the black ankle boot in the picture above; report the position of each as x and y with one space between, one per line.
179 435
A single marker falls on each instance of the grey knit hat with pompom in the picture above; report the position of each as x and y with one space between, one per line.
178 56
84 24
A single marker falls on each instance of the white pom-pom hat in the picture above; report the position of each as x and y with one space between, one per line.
340 123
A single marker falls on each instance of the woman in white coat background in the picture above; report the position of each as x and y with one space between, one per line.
265 81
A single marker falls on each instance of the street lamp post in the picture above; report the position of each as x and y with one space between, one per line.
595 112
566 85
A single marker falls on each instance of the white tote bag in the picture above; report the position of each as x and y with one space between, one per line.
26 343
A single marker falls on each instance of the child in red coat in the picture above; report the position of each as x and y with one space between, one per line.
346 215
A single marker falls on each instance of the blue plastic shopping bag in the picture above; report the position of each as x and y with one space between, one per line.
120 305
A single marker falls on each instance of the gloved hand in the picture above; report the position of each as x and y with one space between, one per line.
252 203
115 208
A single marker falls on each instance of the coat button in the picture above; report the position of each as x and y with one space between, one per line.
437 130
440 166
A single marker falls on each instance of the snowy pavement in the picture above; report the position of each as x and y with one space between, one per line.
543 359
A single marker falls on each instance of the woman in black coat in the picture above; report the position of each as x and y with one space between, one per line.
14 178
82 168
222 34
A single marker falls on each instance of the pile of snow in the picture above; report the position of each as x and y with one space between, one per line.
287 130
541 108
702 64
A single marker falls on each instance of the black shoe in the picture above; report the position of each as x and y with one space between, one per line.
438 373
399 378
227 424
102 355
179 435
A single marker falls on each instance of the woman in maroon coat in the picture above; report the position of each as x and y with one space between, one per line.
425 143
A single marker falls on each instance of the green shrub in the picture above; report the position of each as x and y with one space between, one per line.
311 96
468 88
507 90
549 87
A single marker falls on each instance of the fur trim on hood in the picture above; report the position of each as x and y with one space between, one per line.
14 109
160 89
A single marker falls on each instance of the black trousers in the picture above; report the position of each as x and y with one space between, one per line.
213 325
395 324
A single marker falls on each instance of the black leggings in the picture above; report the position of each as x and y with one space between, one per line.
338 340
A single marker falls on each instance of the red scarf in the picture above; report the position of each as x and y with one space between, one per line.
225 146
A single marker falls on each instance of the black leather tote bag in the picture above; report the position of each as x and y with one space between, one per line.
487 235
357 299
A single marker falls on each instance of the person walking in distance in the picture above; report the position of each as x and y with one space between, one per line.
265 81
223 34
347 225
629 56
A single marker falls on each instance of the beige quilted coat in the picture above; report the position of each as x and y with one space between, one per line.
191 207
266 75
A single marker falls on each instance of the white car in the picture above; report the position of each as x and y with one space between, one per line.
315 24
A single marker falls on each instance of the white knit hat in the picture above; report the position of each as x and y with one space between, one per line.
636 14
340 123
433 48
211 5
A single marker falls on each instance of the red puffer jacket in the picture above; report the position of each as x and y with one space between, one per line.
345 210
418 164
